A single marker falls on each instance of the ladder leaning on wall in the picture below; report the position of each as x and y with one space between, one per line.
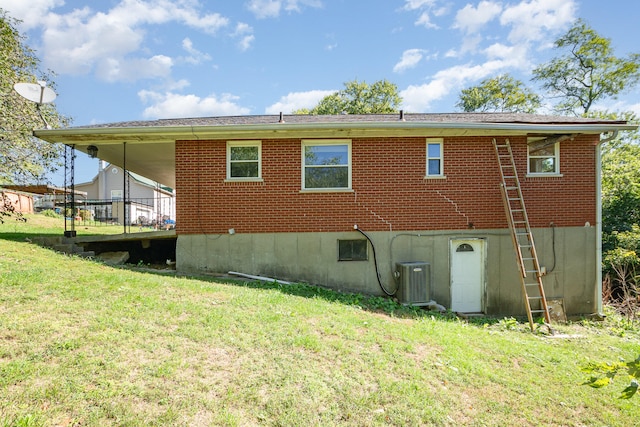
527 258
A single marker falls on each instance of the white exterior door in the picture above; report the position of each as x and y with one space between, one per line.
467 275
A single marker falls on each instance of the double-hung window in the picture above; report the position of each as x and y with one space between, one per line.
244 160
434 158
326 165
543 157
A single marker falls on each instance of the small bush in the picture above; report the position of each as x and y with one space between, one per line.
50 213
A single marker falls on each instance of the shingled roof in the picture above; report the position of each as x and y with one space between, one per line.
307 119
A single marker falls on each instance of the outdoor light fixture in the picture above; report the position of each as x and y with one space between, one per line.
92 151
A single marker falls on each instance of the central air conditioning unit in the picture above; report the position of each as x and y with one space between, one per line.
413 282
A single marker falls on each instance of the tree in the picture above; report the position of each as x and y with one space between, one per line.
621 187
621 217
587 72
23 158
499 94
620 178
359 98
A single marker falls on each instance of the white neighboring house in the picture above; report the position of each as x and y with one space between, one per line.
148 202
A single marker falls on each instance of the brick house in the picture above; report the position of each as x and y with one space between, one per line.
353 202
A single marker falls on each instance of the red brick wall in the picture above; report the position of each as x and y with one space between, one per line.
389 189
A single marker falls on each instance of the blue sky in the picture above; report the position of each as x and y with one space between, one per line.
120 60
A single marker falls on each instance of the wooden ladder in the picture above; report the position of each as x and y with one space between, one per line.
527 258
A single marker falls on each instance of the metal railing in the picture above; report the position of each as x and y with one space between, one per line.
152 213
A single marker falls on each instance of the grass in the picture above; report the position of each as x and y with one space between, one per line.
55 225
85 344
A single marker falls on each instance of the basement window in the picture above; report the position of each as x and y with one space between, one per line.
352 250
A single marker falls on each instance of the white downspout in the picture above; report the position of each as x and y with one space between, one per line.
599 220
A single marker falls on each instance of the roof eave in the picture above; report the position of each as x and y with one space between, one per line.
162 133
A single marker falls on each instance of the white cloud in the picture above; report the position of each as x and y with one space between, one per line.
418 4
112 70
271 8
470 44
136 12
297 100
245 33
84 41
516 56
427 8
410 58
533 20
470 19
75 42
195 56
32 12
172 105
418 98
265 8
425 21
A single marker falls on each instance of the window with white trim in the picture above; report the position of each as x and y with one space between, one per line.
244 160
543 157
434 157
326 165
116 195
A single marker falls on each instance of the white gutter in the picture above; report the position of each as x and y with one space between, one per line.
187 131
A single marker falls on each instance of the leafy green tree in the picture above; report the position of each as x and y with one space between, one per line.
499 94
621 187
621 217
587 71
620 177
23 158
359 98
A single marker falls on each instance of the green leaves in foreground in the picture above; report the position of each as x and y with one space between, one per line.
602 374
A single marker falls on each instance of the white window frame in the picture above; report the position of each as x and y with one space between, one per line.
117 195
316 142
556 159
231 144
440 142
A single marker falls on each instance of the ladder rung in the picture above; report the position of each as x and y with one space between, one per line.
502 146
537 311
531 284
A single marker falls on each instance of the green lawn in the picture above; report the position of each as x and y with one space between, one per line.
84 344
